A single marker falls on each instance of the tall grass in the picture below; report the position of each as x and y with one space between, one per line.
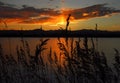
73 64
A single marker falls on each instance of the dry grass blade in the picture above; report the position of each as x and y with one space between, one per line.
39 49
43 42
78 65
55 57
50 59
67 22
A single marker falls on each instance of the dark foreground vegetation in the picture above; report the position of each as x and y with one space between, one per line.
58 33
73 64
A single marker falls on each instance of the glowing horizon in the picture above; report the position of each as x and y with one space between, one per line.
29 17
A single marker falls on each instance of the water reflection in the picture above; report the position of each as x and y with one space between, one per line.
63 60
104 44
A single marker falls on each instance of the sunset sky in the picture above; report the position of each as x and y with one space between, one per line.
52 14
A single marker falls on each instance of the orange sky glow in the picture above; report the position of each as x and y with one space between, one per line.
30 18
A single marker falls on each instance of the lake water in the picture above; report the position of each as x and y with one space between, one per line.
105 45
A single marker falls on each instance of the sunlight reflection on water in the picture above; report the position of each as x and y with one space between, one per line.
106 45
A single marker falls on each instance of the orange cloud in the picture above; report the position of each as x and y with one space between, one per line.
31 15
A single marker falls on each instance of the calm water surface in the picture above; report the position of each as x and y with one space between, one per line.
105 45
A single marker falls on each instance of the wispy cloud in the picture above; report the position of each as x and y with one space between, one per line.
28 14
93 11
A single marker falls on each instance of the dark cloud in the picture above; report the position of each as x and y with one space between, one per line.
4 4
25 12
1 3
93 11
30 14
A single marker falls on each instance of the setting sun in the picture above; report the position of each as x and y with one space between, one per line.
61 20
59 41
52 16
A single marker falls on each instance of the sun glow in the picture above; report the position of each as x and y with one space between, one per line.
61 20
